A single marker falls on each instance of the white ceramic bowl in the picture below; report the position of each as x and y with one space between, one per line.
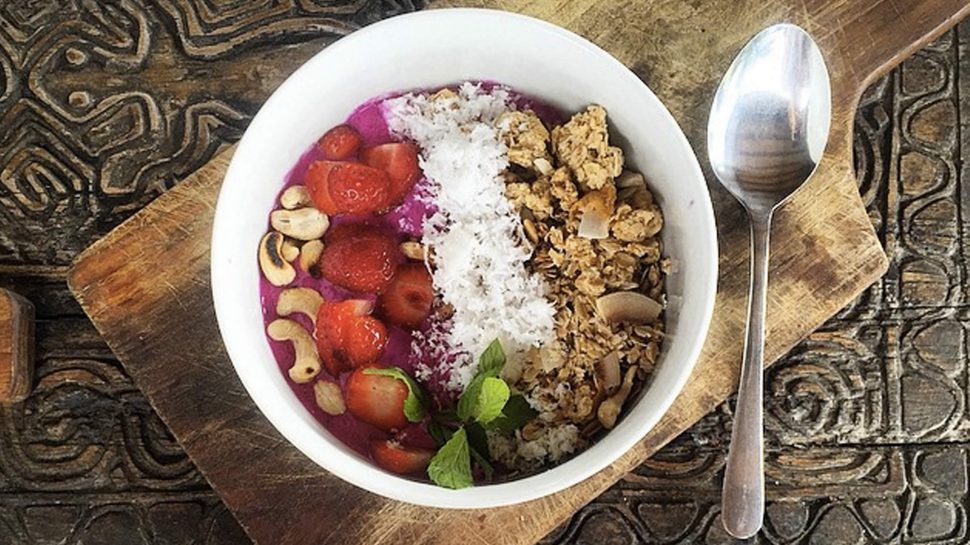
429 49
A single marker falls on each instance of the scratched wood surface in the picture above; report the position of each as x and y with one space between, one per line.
86 460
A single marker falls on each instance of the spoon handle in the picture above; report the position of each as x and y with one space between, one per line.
743 496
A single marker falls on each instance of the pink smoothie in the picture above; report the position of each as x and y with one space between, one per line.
406 221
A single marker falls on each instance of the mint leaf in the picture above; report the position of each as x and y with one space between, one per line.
451 466
492 359
414 402
439 432
492 396
516 413
489 365
478 444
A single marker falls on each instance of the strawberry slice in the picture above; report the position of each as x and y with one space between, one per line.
408 298
358 189
359 258
377 399
365 340
340 142
317 181
400 161
398 458
347 336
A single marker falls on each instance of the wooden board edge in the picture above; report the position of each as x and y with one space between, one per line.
908 51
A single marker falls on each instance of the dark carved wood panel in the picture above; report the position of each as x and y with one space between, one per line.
105 105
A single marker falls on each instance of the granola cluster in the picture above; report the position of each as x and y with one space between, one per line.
595 231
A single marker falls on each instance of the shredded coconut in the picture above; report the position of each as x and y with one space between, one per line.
552 445
475 234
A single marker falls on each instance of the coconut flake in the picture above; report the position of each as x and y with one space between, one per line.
480 258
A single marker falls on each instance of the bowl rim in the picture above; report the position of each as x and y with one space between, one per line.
371 478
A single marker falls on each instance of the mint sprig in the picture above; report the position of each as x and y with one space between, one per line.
486 404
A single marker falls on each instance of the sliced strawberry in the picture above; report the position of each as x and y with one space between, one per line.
332 320
400 161
318 185
358 189
347 336
407 300
365 340
377 399
400 459
360 258
340 142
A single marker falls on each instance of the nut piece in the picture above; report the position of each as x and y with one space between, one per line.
303 300
543 166
290 250
596 208
631 189
413 250
295 196
329 397
609 409
301 224
607 373
628 306
310 256
531 231
306 365
275 268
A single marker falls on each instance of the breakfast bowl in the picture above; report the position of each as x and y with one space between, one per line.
437 50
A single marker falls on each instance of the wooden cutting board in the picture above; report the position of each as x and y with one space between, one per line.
146 284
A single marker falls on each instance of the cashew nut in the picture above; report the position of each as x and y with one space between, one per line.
329 397
271 261
303 300
310 257
302 223
295 196
290 250
306 365
609 409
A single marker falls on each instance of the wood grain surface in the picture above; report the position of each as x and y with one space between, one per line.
16 346
155 342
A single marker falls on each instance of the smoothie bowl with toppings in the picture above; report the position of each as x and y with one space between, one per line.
463 284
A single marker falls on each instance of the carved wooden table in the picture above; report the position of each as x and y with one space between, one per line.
880 393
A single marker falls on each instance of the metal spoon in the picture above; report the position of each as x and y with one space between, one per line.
767 130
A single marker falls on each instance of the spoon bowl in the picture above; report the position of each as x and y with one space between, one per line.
770 118
768 128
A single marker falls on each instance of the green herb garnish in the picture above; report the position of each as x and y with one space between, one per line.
486 404
451 466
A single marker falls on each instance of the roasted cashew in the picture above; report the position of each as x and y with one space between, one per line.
289 250
275 268
310 255
306 365
303 300
302 224
329 397
609 409
295 196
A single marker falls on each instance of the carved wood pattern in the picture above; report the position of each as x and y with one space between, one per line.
106 105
